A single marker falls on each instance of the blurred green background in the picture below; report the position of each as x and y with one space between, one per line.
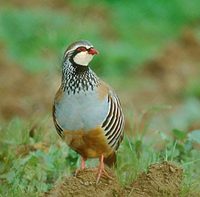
149 53
34 34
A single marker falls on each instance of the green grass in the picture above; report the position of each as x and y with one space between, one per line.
29 173
126 34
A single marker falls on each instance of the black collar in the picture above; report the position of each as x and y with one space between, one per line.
79 69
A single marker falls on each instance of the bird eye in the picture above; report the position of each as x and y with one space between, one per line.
81 49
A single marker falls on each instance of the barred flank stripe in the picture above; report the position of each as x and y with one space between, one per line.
58 128
117 134
109 128
113 124
110 112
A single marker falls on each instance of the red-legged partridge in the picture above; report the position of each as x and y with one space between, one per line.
87 113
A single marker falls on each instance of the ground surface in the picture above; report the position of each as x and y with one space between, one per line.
160 180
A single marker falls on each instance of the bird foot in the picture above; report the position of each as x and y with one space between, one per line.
102 171
103 174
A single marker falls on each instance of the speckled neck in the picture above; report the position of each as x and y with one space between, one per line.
77 78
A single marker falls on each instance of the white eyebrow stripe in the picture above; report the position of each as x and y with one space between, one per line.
75 47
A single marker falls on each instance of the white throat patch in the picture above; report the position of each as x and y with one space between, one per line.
83 58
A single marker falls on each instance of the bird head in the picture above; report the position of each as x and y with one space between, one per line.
80 52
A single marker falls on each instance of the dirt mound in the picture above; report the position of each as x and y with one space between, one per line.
84 184
160 180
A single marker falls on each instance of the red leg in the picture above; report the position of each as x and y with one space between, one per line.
82 165
101 170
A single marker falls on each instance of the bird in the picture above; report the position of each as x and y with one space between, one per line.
87 113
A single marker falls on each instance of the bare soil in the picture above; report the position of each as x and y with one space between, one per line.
176 65
161 180
23 94
168 76
84 184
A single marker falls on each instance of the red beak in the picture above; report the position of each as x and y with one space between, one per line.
93 51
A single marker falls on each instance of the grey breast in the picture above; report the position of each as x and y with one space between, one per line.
83 110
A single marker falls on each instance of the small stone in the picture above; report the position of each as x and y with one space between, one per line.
82 182
172 169
110 181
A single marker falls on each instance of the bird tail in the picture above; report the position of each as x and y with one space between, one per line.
110 161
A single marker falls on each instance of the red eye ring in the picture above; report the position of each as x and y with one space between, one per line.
81 49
